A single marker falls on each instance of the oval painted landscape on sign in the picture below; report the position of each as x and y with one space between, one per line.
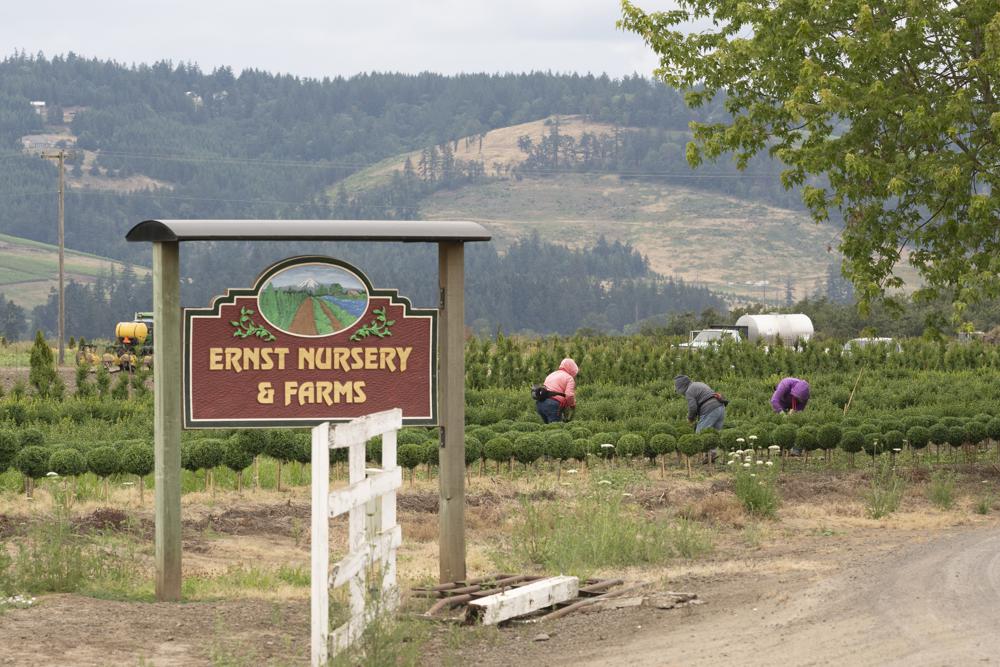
313 299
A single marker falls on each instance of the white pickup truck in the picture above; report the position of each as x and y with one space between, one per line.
708 337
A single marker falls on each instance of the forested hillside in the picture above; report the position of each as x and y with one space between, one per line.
222 145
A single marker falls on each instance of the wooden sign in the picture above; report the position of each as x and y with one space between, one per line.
310 342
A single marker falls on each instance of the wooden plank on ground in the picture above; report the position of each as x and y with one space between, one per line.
525 599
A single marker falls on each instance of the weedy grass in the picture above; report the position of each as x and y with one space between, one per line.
985 504
757 491
941 490
596 531
885 493
238 579
55 558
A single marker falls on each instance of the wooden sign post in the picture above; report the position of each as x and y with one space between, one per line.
176 405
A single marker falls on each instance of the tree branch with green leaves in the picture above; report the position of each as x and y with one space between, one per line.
882 110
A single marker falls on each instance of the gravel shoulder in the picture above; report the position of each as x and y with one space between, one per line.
926 602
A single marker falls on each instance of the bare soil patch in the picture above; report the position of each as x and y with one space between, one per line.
773 590
77 630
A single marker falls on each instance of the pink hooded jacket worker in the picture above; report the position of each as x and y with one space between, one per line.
563 381
791 394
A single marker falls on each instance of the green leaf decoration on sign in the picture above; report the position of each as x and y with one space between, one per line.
246 327
379 327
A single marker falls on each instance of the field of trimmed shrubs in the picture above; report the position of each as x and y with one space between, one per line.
931 402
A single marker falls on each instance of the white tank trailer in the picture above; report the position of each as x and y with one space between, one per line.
768 327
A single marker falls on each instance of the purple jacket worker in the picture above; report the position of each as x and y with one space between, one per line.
791 394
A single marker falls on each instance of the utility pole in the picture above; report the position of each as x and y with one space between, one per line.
61 157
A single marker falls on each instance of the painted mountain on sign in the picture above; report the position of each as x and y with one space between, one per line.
313 299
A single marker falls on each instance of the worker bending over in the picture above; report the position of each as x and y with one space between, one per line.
705 406
560 392
791 394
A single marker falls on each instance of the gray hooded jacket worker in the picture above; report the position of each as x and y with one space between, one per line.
700 397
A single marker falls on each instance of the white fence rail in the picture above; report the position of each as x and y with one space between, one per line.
369 500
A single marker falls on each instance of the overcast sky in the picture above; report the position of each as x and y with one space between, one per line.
335 37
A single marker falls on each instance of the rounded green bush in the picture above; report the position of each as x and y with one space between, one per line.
499 449
728 439
409 455
32 461
874 444
709 439
138 459
783 435
430 452
893 440
104 461
253 441
993 429
410 436
280 445
660 444
559 445
807 439
689 444
828 436
9 446
631 445
235 457
918 437
957 435
188 460
939 433
581 432
528 448
599 441
583 448
975 431
208 452
67 462
852 441
473 450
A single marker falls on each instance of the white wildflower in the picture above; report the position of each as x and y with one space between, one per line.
746 465
753 437
769 463
760 463
572 471
730 463
774 448
740 440
51 474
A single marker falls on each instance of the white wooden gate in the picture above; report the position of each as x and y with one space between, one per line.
371 496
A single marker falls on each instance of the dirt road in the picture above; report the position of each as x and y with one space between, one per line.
930 603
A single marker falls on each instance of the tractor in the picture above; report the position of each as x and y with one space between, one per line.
133 346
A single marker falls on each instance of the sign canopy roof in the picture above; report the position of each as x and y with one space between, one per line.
430 231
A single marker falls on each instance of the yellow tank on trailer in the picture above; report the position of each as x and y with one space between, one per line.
136 332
